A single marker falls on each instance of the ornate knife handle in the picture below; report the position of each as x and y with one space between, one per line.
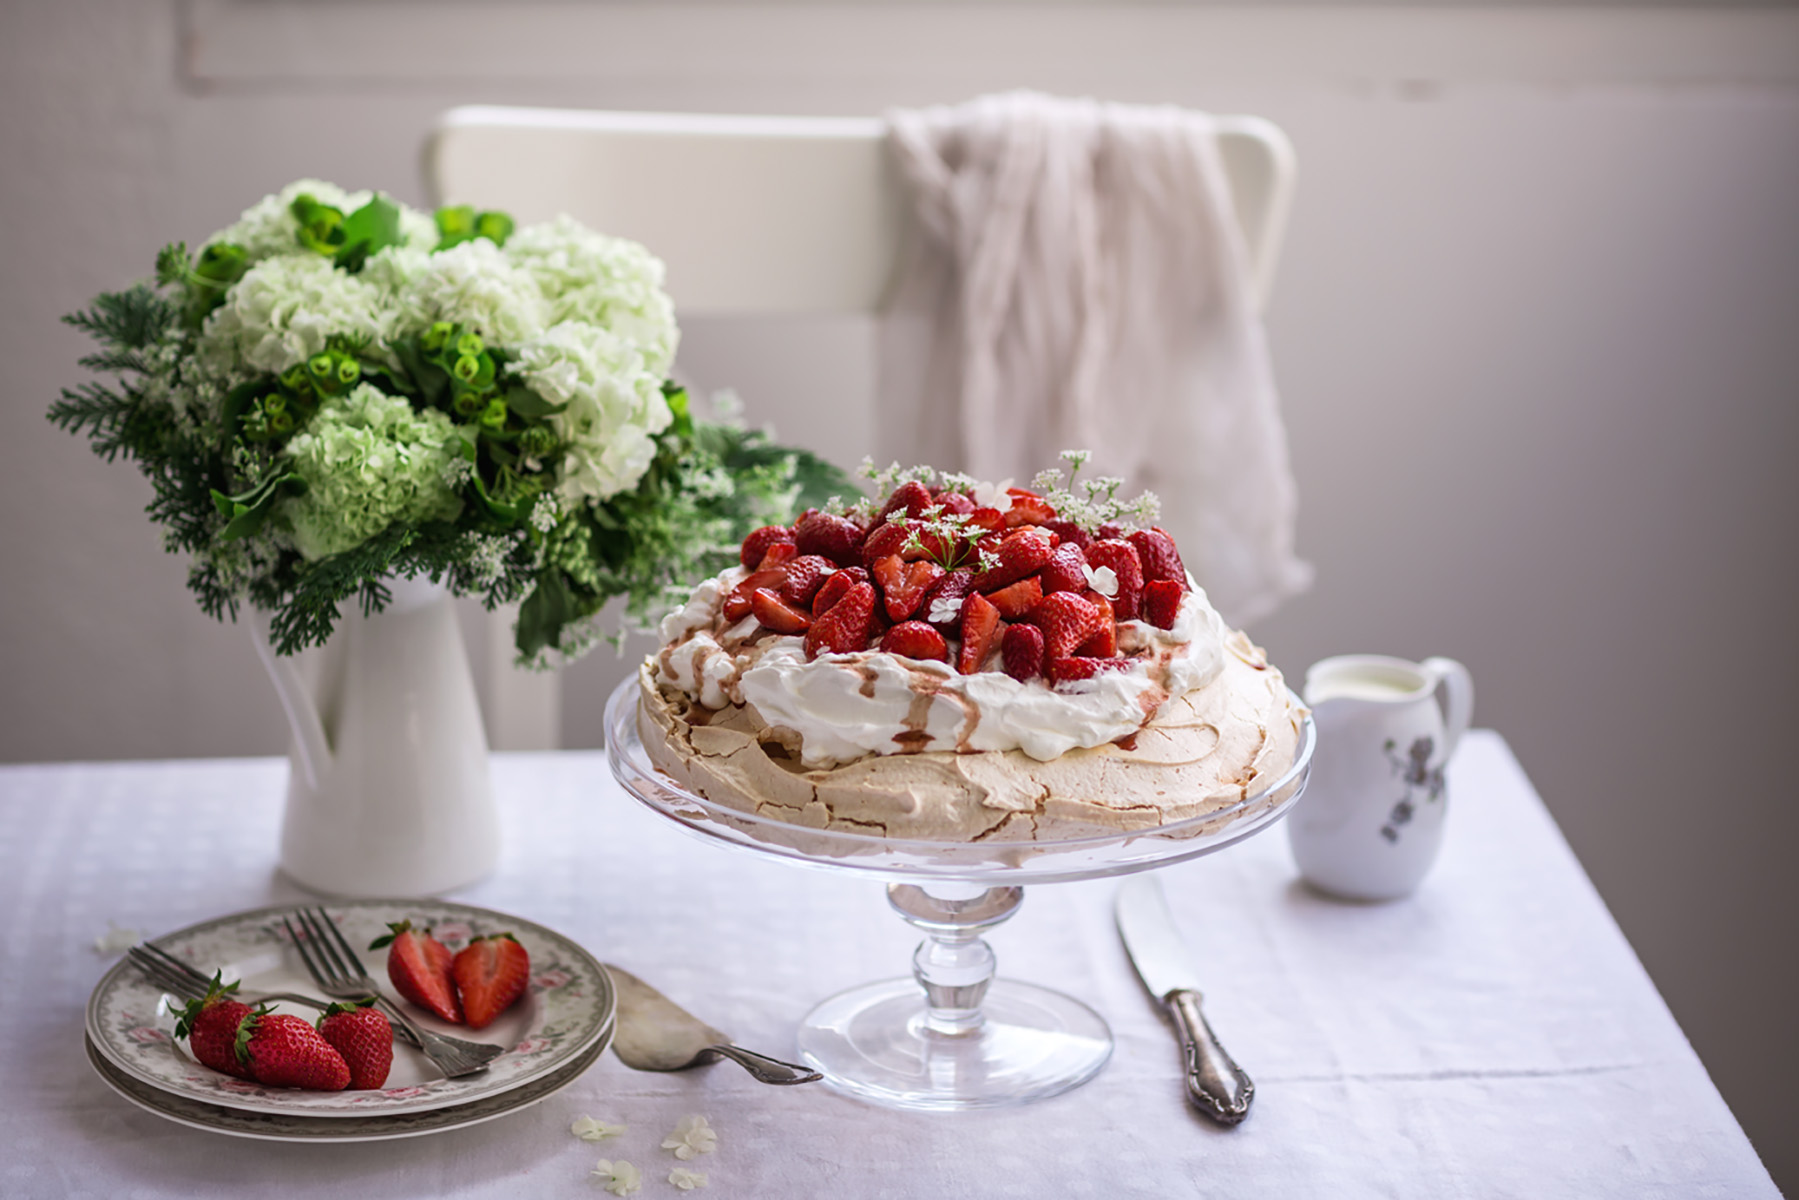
1216 1085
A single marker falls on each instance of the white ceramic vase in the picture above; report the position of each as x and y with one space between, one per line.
388 789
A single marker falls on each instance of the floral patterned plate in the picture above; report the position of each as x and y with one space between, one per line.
274 1127
567 1008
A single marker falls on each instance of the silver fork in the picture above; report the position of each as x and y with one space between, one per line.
338 972
184 979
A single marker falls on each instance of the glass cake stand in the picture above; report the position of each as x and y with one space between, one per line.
950 1036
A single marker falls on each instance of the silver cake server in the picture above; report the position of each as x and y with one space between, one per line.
654 1033
1216 1085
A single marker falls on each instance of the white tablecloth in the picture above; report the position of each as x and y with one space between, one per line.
1492 1036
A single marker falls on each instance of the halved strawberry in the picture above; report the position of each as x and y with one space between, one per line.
915 639
904 584
491 974
419 966
843 629
990 519
736 606
805 575
1028 508
1068 531
778 554
1120 557
836 538
1022 552
832 590
361 1034
1062 573
774 613
1157 552
1062 670
942 605
1104 642
1162 602
210 1026
1067 620
1111 529
1016 599
1021 649
958 503
981 629
912 497
757 543
284 1051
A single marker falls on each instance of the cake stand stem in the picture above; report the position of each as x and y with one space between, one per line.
968 1041
954 964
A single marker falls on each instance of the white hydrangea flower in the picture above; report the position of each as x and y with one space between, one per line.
269 227
615 406
607 281
589 1129
687 1179
474 284
282 312
1103 580
692 1136
620 1178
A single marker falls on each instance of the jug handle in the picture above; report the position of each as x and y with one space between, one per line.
312 747
1457 688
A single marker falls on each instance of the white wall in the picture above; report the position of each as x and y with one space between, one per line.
1535 331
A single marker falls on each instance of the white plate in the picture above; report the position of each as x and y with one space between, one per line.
272 1127
567 1008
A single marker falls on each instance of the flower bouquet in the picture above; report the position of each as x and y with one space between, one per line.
338 390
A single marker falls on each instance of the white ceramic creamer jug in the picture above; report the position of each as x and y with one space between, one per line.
1371 820
388 787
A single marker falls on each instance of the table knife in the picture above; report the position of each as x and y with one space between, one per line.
1216 1085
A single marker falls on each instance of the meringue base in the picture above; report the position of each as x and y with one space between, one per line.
1204 752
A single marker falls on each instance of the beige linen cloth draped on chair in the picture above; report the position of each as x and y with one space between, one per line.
1075 278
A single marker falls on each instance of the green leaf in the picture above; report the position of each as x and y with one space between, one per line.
369 230
529 405
249 510
549 607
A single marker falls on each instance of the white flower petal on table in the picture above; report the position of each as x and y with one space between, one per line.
686 1179
620 1178
116 939
588 1129
692 1136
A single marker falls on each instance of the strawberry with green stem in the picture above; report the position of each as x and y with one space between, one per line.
419 966
210 1026
362 1035
286 1051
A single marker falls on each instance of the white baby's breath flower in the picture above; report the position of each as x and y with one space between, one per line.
1103 580
620 1178
589 1129
993 495
687 1179
692 1136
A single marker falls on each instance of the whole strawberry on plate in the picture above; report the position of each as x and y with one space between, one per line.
284 1051
210 1026
365 1039
491 974
419 966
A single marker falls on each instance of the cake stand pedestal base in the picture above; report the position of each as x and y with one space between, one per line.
951 1037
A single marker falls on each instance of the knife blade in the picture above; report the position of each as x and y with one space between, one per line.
1216 1085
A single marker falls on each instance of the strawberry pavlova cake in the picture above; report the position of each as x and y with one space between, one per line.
959 661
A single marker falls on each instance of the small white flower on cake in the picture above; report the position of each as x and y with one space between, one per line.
590 1130
944 609
1103 580
692 1136
993 495
620 1178
687 1180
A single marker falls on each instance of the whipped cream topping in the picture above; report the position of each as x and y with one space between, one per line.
847 706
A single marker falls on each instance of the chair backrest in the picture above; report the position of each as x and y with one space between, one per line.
752 216
757 215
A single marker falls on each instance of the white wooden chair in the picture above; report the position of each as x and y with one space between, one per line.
753 216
